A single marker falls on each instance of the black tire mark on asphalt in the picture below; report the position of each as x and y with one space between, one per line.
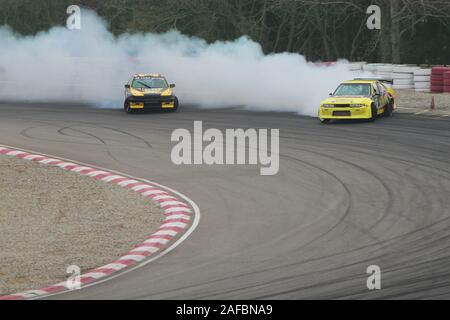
25 133
131 135
108 151
423 230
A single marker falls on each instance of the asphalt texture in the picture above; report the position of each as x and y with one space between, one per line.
348 195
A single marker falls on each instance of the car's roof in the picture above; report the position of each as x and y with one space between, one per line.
360 81
148 75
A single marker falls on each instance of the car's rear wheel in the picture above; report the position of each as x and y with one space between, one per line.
388 109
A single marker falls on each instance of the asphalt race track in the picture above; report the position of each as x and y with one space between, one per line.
348 195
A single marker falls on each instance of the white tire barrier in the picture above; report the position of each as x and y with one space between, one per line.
409 76
423 90
422 72
409 82
422 85
403 86
405 69
422 79
406 77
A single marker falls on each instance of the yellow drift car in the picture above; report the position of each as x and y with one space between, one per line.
359 99
149 91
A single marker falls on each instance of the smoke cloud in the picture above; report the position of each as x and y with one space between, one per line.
91 66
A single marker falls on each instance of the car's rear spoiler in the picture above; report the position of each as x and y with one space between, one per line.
385 80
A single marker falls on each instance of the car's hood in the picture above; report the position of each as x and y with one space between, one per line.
155 91
347 100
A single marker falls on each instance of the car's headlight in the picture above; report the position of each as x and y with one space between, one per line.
357 105
328 105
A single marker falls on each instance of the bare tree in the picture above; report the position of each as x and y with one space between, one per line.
319 29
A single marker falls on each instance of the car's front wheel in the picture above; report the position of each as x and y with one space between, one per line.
175 105
126 107
324 121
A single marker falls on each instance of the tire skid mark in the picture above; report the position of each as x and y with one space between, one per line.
387 243
25 133
131 135
108 151
418 244
388 207
388 210
398 267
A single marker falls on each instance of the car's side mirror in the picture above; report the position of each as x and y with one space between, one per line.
330 94
127 86
172 85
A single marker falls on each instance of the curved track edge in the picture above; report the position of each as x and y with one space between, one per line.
181 214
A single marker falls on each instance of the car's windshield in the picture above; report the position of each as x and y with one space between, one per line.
353 89
149 83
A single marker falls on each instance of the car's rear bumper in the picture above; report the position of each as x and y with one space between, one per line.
345 113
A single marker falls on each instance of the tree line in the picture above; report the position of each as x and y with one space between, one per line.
412 31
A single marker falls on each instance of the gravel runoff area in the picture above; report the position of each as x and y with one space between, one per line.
419 101
51 218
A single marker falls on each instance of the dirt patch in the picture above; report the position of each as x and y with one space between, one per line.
51 218
422 100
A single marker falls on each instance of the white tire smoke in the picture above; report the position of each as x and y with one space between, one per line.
91 65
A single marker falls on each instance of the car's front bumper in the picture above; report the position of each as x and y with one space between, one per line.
151 102
345 113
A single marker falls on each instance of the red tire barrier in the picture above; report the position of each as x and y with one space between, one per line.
446 78
438 77
439 70
446 82
435 82
437 89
